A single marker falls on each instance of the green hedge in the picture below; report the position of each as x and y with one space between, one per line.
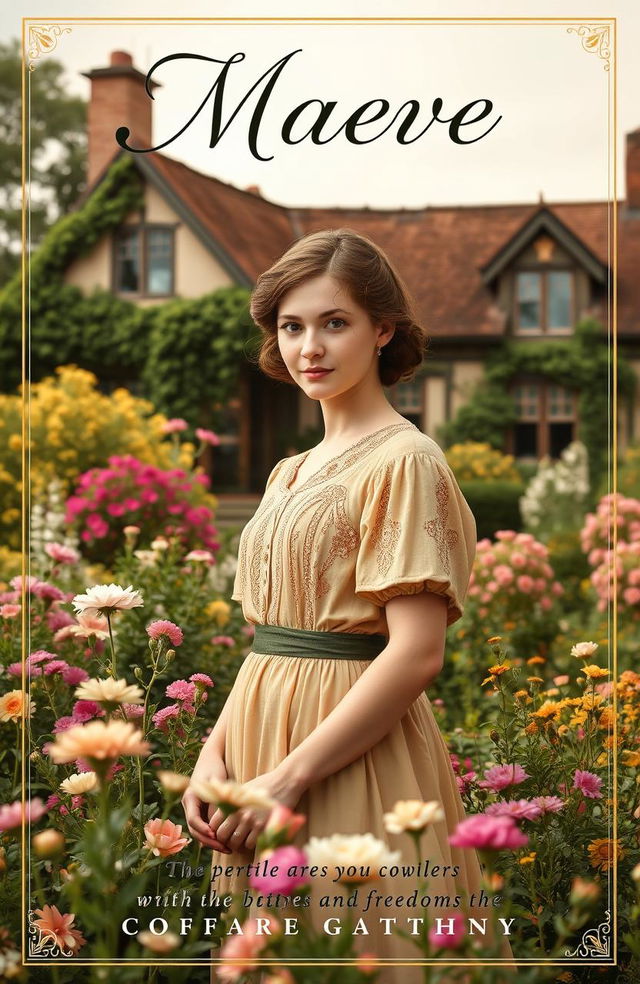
494 505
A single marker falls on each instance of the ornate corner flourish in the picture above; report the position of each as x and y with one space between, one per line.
595 942
43 40
596 40
42 944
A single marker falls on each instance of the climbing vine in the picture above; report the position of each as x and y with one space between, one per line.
580 363
187 352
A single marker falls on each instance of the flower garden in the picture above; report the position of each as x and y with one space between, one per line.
133 645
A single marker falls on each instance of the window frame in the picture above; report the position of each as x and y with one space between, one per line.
544 328
141 228
543 419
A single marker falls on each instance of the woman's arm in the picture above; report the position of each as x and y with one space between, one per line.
370 709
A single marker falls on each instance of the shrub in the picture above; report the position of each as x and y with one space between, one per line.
130 492
556 497
494 505
74 427
476 460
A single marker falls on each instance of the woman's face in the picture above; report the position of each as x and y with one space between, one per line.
320 325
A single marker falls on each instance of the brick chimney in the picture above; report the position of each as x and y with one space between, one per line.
118 98
633 169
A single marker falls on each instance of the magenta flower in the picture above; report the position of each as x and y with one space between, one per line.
202 678
74 674
447 932
500 776
588 783
56 666
12 814
277 878
163 627
132 711
40 656
518 809
85 710
181 690
64 723
62 554
488 833
549 804
162 717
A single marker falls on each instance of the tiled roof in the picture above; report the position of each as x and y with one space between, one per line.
439 250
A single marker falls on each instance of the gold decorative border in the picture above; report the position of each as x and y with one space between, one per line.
609 55
43 40
595 942
596 40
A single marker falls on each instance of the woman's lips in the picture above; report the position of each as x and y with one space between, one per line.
317 374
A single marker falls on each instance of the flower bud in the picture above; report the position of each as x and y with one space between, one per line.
138 673
635 872
170 654
48 843
583 891
495 737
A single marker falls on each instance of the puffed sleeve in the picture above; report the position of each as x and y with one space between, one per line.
417 533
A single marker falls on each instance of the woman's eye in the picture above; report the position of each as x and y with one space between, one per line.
337 321
287 325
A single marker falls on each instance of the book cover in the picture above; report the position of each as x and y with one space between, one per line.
179 557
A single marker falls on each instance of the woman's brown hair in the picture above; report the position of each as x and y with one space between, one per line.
373 283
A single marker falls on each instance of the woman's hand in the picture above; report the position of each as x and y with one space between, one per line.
199 814
241 829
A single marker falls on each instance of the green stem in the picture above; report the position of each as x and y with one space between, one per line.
113 648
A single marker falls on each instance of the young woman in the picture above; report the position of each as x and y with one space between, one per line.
356 561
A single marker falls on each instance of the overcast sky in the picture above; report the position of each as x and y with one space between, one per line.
553 97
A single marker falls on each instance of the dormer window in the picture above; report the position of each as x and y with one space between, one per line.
544 302
144 261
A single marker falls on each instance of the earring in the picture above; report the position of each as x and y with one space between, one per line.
379 351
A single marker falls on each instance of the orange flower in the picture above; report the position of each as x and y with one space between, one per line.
522 695
98 740
547 710
499 668
535 679
632 759
601 853
164 837
532 728
494 639
594 672
528 858
55 926
536 659
11 705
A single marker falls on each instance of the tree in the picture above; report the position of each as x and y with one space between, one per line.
56 149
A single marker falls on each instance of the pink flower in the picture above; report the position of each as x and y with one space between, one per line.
57 928
85 710
549 804
132 711
277 878
163 627
62 554
447 932
202 678
222 640
164 715
74 674
518 809
588 783
64 723
524 583
488 833
12 814
181 690
56 666
164 837
57 619
500 776
283 822
174 425
207 436
10 611
503 574
243 950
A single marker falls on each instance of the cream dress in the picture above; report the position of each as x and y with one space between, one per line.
383 518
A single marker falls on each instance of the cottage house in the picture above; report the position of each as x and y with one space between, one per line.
480 274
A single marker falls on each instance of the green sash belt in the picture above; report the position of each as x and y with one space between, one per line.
276 640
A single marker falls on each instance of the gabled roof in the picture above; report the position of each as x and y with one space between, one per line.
441 251
544 221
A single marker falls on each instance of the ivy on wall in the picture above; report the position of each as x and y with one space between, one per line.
187 352
581 362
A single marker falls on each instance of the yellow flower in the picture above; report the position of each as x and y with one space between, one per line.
601 853
500 668
219 611
594 672
522 695
632 759
547 710
12 704
536 659
494 639
535 679
528 858
531 728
